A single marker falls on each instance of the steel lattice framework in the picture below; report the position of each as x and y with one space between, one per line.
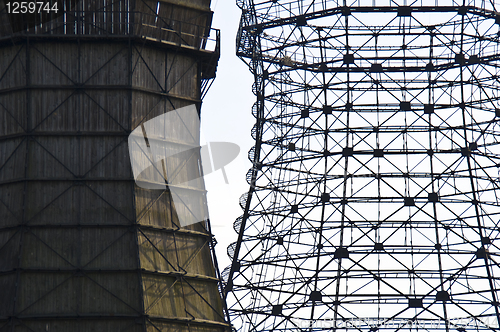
374 194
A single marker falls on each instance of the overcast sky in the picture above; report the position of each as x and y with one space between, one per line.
226 117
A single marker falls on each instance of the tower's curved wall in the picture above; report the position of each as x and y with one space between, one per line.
82 248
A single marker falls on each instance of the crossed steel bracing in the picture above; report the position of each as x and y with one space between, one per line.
374 198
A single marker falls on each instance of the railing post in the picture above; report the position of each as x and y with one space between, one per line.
217 41
180 33
198 37
140 29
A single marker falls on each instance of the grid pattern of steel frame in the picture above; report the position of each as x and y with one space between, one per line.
374 198
81 247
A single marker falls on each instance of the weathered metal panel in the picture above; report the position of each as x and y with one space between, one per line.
13 72
82 248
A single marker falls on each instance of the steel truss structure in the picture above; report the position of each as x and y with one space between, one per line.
374 198
82 248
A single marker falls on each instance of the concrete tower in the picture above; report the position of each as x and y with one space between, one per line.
82 248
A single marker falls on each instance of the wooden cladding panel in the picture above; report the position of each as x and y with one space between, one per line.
13 114
155 208
158 325
107 248
54 109
8 287
64 110
173 73
53 63
87 293
146 106
68 157
12 67
9 249
11 206
12 156
149 70
56 63
66 203
183 78
160 252
105 64
112 324
171 297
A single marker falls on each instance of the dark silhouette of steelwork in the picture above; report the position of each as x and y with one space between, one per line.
374 193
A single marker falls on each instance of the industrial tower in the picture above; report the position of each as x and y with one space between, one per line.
82 247
374 198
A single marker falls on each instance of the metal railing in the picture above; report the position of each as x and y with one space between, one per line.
116 24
